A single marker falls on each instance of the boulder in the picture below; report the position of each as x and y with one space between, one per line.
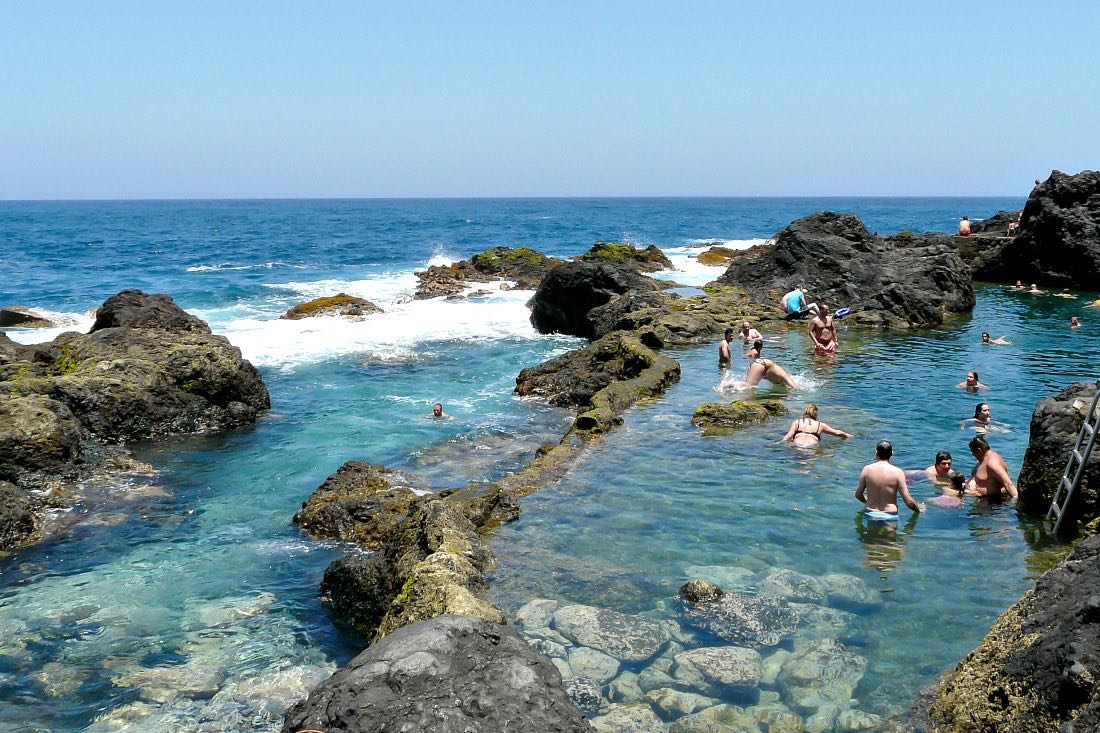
717 719
791 586
134 309
993 226
568 292
631 717
718 670
358 589
629 312
592 664
716 256
15 316
721 418
700 591
537 613
1055 424
744 619
1038 667
451 674
820 673
362 503
18 522
901 281
340 304
524 265
850 592
1058 242
37 435
671 704
649 259
622 636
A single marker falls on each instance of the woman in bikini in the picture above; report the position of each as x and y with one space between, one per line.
806 431
762 368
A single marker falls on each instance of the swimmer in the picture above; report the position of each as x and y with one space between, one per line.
990 477
1094 304
762 368
880 483
754 352
964 227
806 431
1035 290
1019 286
724 348
437 412
1074 322
823 332
1065 294
953 491
972 383
999 340
940 471
748 333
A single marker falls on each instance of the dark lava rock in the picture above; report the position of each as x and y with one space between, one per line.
722 418
361 502
1054 427
899 281
1038 667
700 591
568 292
650 259
20 317
37 434
452 674
572 379
358 589
629 312
18 523
340 304
134 309
524 265
1059 238
994 226
744 619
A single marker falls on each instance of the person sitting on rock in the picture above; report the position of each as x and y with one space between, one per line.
964 227
999 340
972 383
806 431
823 332
1035 290
748 333
1014 226
762 368
795 306
724 348
437 412
990 477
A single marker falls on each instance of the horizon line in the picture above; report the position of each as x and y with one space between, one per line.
496 198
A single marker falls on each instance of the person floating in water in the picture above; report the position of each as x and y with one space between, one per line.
762 368
940 471
1001 340
972 383
990 477
823 332
724 348
964 227
748 333
1065 294
437 412
1074 322
982 416
795 306
1035 290
806 431
879 485
1094 304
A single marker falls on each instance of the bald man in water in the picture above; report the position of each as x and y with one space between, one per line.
881 482
990 477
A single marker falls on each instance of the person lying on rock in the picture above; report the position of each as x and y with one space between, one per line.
748 333
724 348
990 477
806 431
437 412
999 340
762 368
972 383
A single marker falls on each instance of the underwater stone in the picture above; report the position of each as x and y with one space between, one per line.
850 592
727 577
821 672
585 694
772 664
715 668
791 586
700 591
776 719
629 718
536 614
592 664
673 704
624 688
717 719
625 637
744 619
856 720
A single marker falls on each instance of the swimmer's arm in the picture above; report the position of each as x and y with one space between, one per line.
1002 340
1005 480
903 489
790 433
861 489
825 428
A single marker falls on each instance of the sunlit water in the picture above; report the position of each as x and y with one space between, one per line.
186 600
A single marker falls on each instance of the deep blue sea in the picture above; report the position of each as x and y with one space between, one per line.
186 600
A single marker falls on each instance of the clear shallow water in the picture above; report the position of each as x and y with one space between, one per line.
198 568
657 497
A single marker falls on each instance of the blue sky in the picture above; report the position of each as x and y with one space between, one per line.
212 100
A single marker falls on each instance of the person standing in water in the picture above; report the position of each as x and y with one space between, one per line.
806 431
940 471
748 333
724 348
990 477
880 483
762 368
823 332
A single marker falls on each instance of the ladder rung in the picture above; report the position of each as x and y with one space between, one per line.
1077 454
1067 484
1055 511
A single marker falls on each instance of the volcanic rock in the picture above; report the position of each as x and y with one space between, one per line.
994 226
19 317
625 637
721 418
819 673
1058 242
340 304
18 522
451 674
716 256
700 591
791 586
37 434
633 717
524 265
717 669
744 619
568 292
650 259
900 281
718 719
134 309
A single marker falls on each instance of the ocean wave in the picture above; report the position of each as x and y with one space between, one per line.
695 246
66 321
258 266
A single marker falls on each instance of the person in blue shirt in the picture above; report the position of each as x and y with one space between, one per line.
794 303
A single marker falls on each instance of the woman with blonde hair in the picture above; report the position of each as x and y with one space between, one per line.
806 431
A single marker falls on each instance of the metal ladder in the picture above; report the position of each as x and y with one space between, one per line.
1075 467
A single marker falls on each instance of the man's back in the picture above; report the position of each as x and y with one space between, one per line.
882 481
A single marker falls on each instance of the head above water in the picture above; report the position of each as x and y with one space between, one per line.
884 450
728 334
978 446
437 409
981 411
985 337
745 326
943 458
972 377
758 347
810 411
958 480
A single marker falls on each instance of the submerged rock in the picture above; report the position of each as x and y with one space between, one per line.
729 577
593 665
744 619
720 418
848 591
671 704
523 265
791 586
585 694
568 292
622 636
451 674
629 718
820 673
700 591
649 259
340 304
18 521
719 669
1055 424
900 281
718 719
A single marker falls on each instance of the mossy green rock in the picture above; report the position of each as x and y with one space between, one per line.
649 259
340 304
721 418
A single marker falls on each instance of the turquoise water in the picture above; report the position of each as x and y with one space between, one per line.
657 497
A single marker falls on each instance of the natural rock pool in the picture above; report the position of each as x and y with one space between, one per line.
858 615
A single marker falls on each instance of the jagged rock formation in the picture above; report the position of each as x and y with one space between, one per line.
620 254
340 304
523 265
20 317
568 292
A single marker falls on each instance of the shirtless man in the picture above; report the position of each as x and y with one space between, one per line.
724 348
748 333
766 369
964 227
1065 294
1035 290
822 332
437 412
972 383
881 482
940 471
990 477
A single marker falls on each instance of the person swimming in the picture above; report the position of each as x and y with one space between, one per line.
999 340
806 431
762 368
972 383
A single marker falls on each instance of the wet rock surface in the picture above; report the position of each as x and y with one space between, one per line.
569 292
722 418
523 265
900 281
340 304
15 316
450 673
1058 242
648 259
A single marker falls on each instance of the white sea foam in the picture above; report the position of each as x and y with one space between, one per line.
689 270
65 322
735 382
257 266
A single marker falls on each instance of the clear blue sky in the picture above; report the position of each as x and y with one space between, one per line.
130 100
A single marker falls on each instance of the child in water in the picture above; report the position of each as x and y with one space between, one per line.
952 492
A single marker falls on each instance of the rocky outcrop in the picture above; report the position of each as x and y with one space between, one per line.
900 281
340 304
524 265
994 226
1058 242
1037 668
723 418
451 674
20 317
134 309
716 256
18 520
1055 424
568 292
649 259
